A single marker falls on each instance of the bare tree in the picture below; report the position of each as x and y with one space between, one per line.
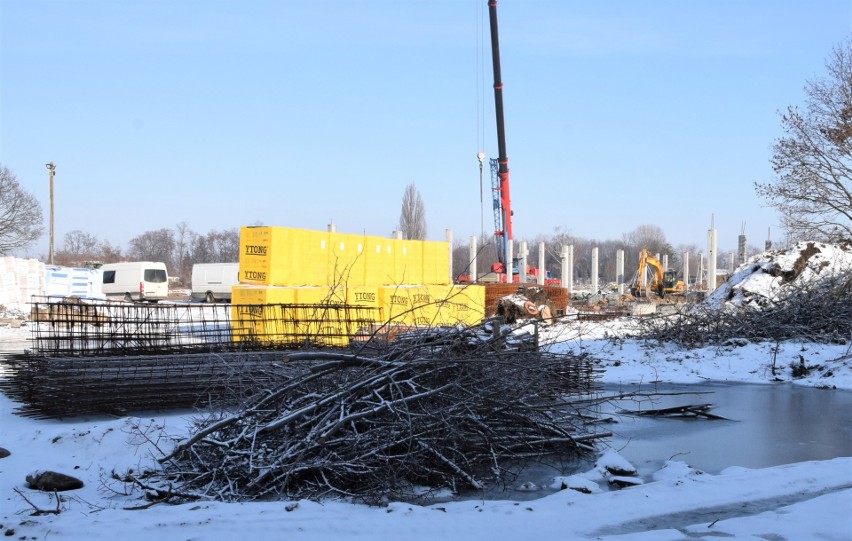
20 214
216 247
650 237
80 242
229 245
813 161
77 248
110 252
412 218
156 245
184 236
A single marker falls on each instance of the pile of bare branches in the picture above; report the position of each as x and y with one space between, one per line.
438 408
820 312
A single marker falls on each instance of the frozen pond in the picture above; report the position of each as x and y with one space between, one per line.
769 425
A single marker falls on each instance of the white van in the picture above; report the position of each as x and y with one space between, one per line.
136 281
212 281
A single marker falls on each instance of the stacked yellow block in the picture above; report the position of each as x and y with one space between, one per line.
403 281
251 316
283 256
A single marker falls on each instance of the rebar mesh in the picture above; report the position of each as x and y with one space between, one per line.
90 328
52 387
115 357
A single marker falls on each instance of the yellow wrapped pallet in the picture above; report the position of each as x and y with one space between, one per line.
366 297
283 256
266 256
469 304
314 295
297 257
436 263
408 305
311 249
347 260
441 311
428 256
424 306
256 314
317 314
408 261
396 304
378 261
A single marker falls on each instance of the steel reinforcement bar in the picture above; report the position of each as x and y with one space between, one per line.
71 327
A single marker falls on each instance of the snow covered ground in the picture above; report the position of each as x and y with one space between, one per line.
799 501
808 500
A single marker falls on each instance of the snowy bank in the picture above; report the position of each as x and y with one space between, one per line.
798 501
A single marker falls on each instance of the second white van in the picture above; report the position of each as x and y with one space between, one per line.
212 281
135 281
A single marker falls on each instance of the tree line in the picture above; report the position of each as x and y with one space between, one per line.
179 248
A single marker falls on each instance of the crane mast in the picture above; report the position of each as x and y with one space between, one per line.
502 204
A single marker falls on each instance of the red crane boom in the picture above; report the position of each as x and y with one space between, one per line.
504 233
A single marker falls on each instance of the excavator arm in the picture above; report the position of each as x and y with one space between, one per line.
660 281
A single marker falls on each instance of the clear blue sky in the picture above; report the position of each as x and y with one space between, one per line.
303 113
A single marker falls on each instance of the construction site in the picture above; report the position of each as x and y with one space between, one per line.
305 290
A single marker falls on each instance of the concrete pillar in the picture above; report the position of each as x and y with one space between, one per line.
619 271
510 255
395 234
568 269
332 228
731 264
448 235
474 273
522 264
711 260
741 249
666 262
542 272
686 270
595 286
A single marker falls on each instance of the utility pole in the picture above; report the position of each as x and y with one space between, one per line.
52 169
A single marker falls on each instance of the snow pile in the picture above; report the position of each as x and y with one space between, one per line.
775 274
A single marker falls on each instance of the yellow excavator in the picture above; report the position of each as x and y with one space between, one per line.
652 277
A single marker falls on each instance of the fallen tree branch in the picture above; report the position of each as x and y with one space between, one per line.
436 408
37 510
